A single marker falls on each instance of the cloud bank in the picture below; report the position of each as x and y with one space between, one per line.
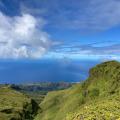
22 37
87 51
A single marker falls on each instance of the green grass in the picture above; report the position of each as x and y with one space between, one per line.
37 91
20 102
97 98
15 105
102 109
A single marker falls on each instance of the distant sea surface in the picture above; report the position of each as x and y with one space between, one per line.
33 71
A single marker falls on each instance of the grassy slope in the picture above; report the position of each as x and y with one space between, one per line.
97 98
15 105
38 91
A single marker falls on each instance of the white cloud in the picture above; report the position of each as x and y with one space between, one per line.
22 37
86 51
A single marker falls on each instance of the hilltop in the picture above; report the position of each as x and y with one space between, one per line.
97 98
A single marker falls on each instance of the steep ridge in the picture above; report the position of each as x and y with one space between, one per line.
15 105
97 98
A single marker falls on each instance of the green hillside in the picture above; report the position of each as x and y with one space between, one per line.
97 98
38 91
15 105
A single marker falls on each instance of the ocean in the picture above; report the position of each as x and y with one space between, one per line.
44 70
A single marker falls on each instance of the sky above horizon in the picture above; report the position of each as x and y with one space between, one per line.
75 29
53 40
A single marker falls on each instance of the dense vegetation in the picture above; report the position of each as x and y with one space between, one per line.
97 98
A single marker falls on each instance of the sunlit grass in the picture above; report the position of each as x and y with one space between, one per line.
98 98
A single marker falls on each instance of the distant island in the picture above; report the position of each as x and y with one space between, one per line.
97 98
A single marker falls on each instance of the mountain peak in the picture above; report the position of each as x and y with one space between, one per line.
105 68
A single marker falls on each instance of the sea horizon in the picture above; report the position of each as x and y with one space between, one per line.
45 70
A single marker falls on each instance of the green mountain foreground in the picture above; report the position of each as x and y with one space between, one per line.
97 98
21 102
16 106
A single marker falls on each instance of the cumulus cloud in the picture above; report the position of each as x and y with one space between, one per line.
22 37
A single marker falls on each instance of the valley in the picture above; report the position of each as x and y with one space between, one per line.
97 98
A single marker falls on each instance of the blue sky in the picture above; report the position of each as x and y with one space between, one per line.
75 29
54 40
